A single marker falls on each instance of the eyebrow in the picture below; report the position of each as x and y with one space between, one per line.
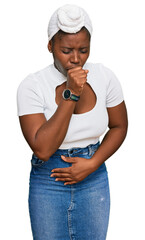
72 48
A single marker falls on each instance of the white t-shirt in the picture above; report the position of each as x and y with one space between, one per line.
36 94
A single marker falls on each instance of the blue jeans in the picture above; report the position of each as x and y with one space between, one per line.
73 212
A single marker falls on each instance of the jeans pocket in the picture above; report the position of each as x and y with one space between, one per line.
36 162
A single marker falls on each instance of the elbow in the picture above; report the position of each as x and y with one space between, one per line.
124 132
119 132
43 152
121 129
125 129
42 155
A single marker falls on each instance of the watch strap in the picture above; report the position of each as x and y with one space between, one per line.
67 94
74 97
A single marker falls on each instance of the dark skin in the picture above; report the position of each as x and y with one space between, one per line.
70 53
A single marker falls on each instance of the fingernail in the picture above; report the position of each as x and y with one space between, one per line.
51 175
56 179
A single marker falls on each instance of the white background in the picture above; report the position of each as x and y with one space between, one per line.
118 42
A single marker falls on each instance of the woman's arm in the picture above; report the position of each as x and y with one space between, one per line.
82 167
118 124
44 137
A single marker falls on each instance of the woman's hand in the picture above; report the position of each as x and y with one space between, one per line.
76 78
80 169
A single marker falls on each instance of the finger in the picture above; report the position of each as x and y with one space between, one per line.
60 175
68 159
79 73
69 183
61 170
82 76
74 69
63 179
79 68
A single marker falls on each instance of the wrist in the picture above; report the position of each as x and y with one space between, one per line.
94 164
69 95
73 91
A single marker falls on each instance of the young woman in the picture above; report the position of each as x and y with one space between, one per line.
63 110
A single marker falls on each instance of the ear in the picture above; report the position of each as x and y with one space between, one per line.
50 46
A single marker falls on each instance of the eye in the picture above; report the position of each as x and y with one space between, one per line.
66 52
83 51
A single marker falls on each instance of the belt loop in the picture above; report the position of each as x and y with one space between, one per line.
90 150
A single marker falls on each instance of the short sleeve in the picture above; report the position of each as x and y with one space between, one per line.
29 97
114 91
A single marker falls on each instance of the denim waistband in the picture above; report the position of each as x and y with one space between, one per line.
89 149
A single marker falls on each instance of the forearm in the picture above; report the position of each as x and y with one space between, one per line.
51 134
111 142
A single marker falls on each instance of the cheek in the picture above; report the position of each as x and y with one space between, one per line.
84 58
60 65
61 60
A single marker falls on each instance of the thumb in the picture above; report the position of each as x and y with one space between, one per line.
68 159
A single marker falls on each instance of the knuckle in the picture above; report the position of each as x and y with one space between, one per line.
70 70
77 82
76 179
70 74
76 79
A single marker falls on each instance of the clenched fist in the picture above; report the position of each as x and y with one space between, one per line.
76 78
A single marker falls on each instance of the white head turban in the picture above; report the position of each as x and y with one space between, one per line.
69 19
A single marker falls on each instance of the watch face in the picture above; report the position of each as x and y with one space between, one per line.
67 94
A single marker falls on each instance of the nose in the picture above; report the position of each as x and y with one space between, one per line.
75 59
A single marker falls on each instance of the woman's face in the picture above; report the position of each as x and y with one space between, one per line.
70 50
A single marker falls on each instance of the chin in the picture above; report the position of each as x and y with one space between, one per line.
63 71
